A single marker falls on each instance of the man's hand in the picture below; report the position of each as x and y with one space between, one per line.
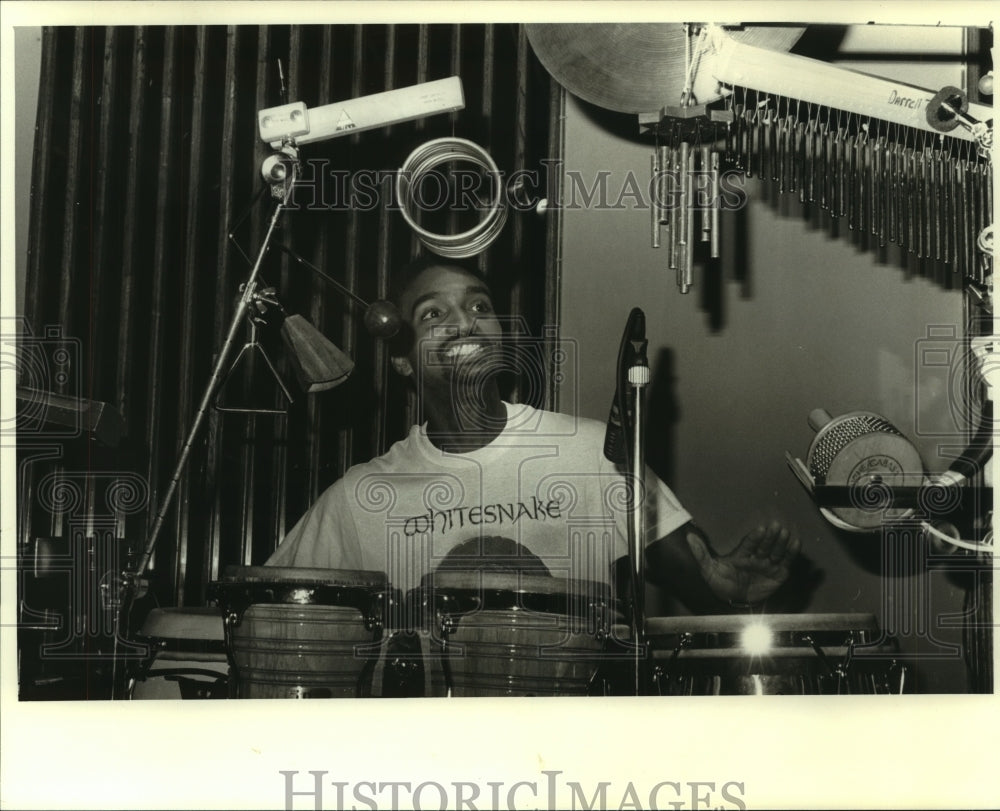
754 570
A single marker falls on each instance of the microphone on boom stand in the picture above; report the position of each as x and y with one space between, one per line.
624 443
633 346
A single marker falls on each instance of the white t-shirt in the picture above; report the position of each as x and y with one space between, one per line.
543 482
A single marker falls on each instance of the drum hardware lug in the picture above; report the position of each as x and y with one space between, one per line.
657 677
807 638
234 607
896 665
402 665
231 619
599 616
685 640
447 626
373 617
844 666
840 671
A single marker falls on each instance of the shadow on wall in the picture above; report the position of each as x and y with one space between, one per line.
664 415
818 220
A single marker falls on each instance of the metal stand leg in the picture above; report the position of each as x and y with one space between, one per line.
131 579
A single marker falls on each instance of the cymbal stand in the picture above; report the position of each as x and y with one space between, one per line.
131 580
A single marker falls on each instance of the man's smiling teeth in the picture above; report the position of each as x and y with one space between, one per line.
463 349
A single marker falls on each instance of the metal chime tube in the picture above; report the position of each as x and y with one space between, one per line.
886 172
685 193
928 195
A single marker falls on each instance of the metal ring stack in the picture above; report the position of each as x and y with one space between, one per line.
423 160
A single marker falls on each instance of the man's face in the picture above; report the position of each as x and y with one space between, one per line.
455 330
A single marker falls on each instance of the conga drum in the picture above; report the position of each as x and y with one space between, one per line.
300 632
501 633
768 654
187 655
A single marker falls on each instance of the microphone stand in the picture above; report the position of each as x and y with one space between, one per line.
282 185
638 379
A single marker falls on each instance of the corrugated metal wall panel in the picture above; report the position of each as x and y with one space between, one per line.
147 160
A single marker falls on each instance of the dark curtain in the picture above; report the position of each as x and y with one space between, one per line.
146 161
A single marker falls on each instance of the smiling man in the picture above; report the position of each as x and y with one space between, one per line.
480 480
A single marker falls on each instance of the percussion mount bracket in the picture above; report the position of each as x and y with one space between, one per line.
697 124
840 671
659 672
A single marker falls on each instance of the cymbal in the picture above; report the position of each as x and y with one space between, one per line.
637 67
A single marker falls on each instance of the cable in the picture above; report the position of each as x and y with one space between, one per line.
985 546
687 64
696 59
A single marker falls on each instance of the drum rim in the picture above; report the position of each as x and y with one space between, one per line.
734 623
290 575
514 582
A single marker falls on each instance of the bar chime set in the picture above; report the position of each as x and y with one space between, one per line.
898 163
931 195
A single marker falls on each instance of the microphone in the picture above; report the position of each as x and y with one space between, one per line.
631 354
637 342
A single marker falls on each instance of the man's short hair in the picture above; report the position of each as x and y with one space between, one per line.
404 276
